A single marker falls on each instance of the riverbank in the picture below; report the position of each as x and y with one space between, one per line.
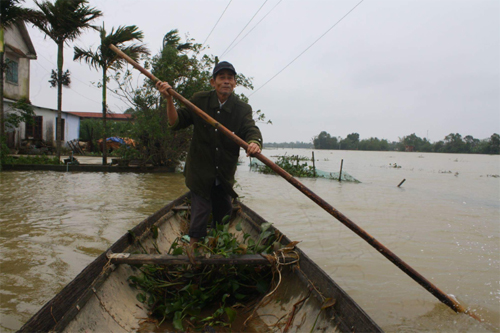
86 164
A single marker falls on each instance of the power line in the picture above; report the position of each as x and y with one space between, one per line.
217 22
291 62
73 90
76 78
254 26
244 28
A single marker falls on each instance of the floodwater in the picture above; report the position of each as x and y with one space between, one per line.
444 221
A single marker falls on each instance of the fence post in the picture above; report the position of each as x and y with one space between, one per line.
341 165
314 165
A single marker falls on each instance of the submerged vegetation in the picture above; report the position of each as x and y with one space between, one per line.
293 164
192 296
297 166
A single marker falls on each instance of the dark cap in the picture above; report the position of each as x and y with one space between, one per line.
223 65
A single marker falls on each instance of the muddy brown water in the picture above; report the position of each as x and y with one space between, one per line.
444 221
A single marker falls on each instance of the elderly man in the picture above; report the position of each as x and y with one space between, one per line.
212 157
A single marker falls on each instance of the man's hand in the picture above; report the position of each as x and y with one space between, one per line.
253 148
163 88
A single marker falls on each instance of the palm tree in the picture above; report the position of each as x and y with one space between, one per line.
63 21
10 14
104 58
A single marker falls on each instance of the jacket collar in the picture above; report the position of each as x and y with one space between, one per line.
214 102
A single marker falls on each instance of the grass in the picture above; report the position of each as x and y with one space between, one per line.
41 159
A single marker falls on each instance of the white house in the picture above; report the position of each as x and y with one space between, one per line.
44 126
19 51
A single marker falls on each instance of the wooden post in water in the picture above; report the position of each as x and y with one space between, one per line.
314 165
391 256
341 165
401 182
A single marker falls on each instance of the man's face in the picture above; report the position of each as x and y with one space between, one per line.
224 83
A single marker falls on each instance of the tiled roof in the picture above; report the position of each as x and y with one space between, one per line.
120 116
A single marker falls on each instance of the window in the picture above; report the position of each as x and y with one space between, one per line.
11 71
34 129
38 127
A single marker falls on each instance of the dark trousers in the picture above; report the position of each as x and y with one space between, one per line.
220 205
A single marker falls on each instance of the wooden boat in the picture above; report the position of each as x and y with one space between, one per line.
100 299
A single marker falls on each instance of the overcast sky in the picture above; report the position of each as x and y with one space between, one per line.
388 69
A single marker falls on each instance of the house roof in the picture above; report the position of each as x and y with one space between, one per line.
27 40
113 116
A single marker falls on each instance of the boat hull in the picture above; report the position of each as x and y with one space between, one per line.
100 298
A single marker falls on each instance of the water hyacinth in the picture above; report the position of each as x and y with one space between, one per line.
210 295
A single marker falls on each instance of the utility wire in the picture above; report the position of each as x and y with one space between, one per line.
333 26
76 78
244 28
74 90
217 22
254 26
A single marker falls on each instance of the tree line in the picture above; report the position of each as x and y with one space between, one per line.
291 144
452 143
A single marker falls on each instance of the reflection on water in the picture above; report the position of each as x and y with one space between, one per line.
443 221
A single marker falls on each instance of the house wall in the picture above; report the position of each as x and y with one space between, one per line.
21 88
71 128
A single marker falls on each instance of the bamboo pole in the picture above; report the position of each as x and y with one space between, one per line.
429 286
166 260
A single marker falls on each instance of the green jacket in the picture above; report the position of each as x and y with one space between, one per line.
212 154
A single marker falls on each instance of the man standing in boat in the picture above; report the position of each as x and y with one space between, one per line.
213 157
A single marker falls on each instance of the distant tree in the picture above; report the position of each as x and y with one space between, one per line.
425 146
63 21
438 147
325 141
494 144
105 59
453 143
373 144
351 142
416 142
471 144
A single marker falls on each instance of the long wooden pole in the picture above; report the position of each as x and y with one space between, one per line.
429 286
166 259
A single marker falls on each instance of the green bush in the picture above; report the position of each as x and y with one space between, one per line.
42 159
292 165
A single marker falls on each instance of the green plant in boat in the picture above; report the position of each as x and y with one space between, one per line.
211 294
